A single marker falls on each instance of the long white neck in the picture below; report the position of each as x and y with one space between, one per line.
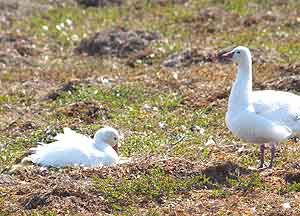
240 95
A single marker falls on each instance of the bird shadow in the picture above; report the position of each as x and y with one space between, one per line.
292 177
222 172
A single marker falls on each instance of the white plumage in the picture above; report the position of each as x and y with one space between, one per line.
262 117
74 149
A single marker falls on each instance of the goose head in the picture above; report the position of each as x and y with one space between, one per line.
107 135
239 55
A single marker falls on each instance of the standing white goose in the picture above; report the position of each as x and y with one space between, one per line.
262 117
74 149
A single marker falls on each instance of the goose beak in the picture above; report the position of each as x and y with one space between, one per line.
227 56
116 147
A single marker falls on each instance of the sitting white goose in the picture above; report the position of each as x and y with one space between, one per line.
262 117
74 149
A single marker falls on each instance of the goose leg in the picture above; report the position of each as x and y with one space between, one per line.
273 150
262 155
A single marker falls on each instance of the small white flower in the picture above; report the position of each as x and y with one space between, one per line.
201 130
114 66
147 107
130 109
69 22
75 37
106 81
286 205
175 75
45 28
62 25
162 125
162 50
58 27
210 141
241 149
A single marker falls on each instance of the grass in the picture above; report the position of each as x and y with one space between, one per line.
154 186
188 163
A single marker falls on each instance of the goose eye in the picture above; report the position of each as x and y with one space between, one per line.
115 138
238 52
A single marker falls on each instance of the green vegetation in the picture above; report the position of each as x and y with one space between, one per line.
153 186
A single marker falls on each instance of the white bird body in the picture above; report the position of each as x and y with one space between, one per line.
262 117
281 107
74 149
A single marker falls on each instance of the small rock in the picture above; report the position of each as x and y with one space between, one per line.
286 205
253 210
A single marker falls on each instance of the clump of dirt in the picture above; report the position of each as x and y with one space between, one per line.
86 111
188 57
18 126
214 19
290 69
118 42
143 55
165 2
212 14
16 50
67 87
60 193
254 19
100 3
287 83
